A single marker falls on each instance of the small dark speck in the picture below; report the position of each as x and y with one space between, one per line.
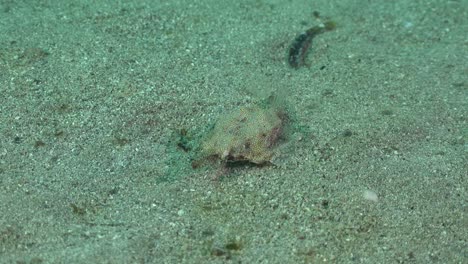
233 246
387 112
113 191
459 84
59 133
39 143
328 93
17 140
77 210
325 204
36 260
347 133
208 233
284 216
120 142
54 159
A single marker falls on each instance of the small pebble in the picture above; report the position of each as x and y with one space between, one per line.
370 196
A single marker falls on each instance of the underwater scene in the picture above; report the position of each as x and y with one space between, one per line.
250 131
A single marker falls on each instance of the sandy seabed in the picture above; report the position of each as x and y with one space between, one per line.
104 102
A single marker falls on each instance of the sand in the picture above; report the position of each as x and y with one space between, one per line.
104 102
